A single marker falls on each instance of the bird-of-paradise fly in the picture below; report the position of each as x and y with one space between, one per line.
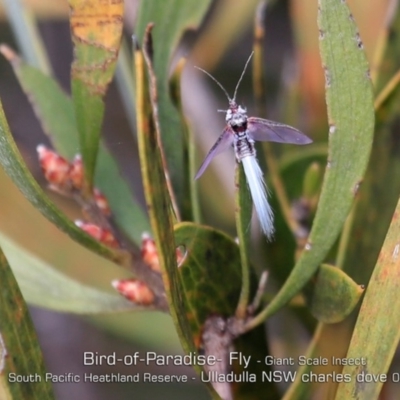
241 132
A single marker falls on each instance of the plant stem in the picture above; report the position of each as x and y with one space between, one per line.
243 211
382 41
387 90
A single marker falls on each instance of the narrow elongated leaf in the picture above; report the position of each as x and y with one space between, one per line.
56 114
128 213
26 32
376 334
13 164
299 390
377 199
190 206
125 83
185 14
158 202
52 106
19 349
374 207
96 28
45 287
351 117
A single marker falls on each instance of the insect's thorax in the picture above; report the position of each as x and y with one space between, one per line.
236 117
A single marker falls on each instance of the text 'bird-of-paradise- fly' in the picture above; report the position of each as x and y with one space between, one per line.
241 132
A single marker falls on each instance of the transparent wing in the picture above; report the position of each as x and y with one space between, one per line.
264 130
223 143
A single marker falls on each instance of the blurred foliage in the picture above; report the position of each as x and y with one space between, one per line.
342 216
20 353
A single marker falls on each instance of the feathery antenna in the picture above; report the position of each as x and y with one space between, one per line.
220 85
241 76
217 82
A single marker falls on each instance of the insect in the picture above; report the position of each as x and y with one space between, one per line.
241 132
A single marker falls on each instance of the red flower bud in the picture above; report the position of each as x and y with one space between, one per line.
63 176
101 202
134 290
55 168
76 172
149 252
103 235
150 255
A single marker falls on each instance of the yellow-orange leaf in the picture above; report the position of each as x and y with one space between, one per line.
96 28
97 21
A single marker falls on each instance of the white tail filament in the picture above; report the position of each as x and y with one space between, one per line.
258 190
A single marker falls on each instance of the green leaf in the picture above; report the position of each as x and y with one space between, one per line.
380 189
14 165
211 276
351 117
27 34
52 106
299 389
96 29
332 295
89 111
190 205
293 169
125 82
377 198
210 273
127 212
312 181
171 19
19 348
55 112
376 334
158 202
43 286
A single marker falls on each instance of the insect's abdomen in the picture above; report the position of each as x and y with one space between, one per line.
258 190
244 147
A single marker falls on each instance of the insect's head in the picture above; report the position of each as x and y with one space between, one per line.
235 114
233 107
